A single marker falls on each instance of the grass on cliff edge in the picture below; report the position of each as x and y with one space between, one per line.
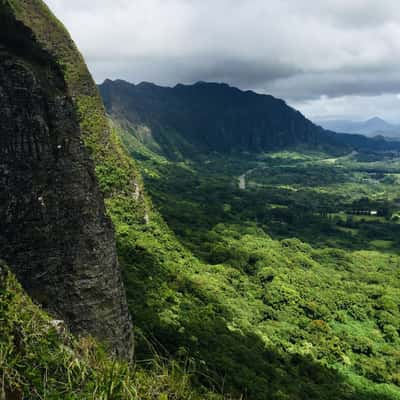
39 360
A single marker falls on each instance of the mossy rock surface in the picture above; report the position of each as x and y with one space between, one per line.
60 161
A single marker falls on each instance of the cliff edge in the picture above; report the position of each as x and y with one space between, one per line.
54 136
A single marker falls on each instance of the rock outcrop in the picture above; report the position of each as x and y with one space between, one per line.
54 231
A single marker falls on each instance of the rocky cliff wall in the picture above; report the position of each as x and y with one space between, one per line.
54 231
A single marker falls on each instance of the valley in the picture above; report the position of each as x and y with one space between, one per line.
276 271
347 201
289 259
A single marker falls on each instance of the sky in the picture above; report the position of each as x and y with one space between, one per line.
331 59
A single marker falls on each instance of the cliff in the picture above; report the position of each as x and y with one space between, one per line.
54 143
213 117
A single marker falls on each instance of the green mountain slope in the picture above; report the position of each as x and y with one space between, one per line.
265 317
40 359
41 67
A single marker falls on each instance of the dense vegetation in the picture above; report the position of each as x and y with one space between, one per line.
40 359
277 291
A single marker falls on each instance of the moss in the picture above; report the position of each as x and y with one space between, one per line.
116 172
54 38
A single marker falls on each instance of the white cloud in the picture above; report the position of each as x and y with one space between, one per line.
290 48
356 108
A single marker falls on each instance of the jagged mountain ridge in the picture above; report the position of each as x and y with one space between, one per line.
54 138
206 117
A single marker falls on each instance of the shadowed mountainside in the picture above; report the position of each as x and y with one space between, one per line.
54 231
207 117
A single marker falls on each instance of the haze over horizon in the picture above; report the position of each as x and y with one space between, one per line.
349 70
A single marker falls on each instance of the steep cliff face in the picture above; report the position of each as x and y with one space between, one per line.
54 231
207 117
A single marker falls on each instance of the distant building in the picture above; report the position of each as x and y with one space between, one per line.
364 212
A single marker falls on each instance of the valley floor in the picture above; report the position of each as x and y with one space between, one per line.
277 290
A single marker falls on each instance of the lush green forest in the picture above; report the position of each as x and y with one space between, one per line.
284 286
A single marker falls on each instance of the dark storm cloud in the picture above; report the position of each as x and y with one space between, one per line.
299 50
245 73
335 84
249 73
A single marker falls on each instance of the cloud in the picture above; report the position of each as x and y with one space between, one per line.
336 84
356 108
294 49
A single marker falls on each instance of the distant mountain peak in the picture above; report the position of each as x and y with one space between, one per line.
145 84
377 122
376 119
375 126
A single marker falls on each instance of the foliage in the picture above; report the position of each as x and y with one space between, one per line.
40 359
264 314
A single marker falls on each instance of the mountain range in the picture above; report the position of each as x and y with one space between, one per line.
215 117
372 127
